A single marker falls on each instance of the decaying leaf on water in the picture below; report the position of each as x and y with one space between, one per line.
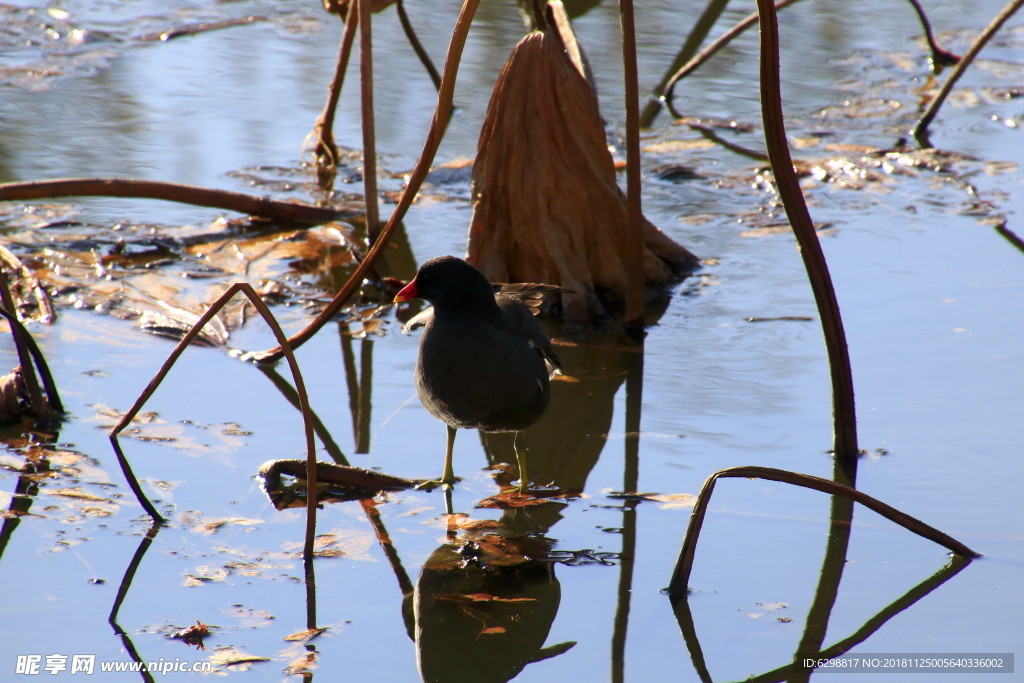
301 657
211 526
186 435
175 322
858 167
51 33
251 618
584 557
461 521
678 146
283 179
670 501
205 574
165 277
78 494
366 321
347 543
300 662
250 563
241 561
857 144
448 181
57 483
107 416
304 636
79 503
760 225
192 635
512 499
766 607
196 522
234 659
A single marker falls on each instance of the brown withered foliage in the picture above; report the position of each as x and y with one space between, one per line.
547 205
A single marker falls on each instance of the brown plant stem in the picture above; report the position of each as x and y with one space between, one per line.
843 405
32 360
684 565
819 614
417 46
920 129
335 474
321 138
122 593
369 131
1010 236
133 482
666 91
714 137
416 178
940 57
703 56
172 192
20 336
368 504
797 669
197 28
634 210
311 469
712 11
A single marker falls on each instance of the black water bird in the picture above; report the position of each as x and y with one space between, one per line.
484 360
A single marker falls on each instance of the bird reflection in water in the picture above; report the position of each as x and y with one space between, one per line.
483 604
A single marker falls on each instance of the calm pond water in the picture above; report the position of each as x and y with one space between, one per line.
925 266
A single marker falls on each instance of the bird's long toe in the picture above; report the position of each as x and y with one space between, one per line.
432 484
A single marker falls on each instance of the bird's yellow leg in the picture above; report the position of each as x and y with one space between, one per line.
448 476
524 478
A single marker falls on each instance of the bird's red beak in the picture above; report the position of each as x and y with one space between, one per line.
408 292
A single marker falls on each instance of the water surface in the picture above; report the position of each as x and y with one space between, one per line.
930 293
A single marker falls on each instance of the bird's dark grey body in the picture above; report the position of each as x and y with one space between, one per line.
484 370
483 358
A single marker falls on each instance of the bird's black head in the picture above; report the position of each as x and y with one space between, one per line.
449 283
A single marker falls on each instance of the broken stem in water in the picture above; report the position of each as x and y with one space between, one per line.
678 585
311 465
